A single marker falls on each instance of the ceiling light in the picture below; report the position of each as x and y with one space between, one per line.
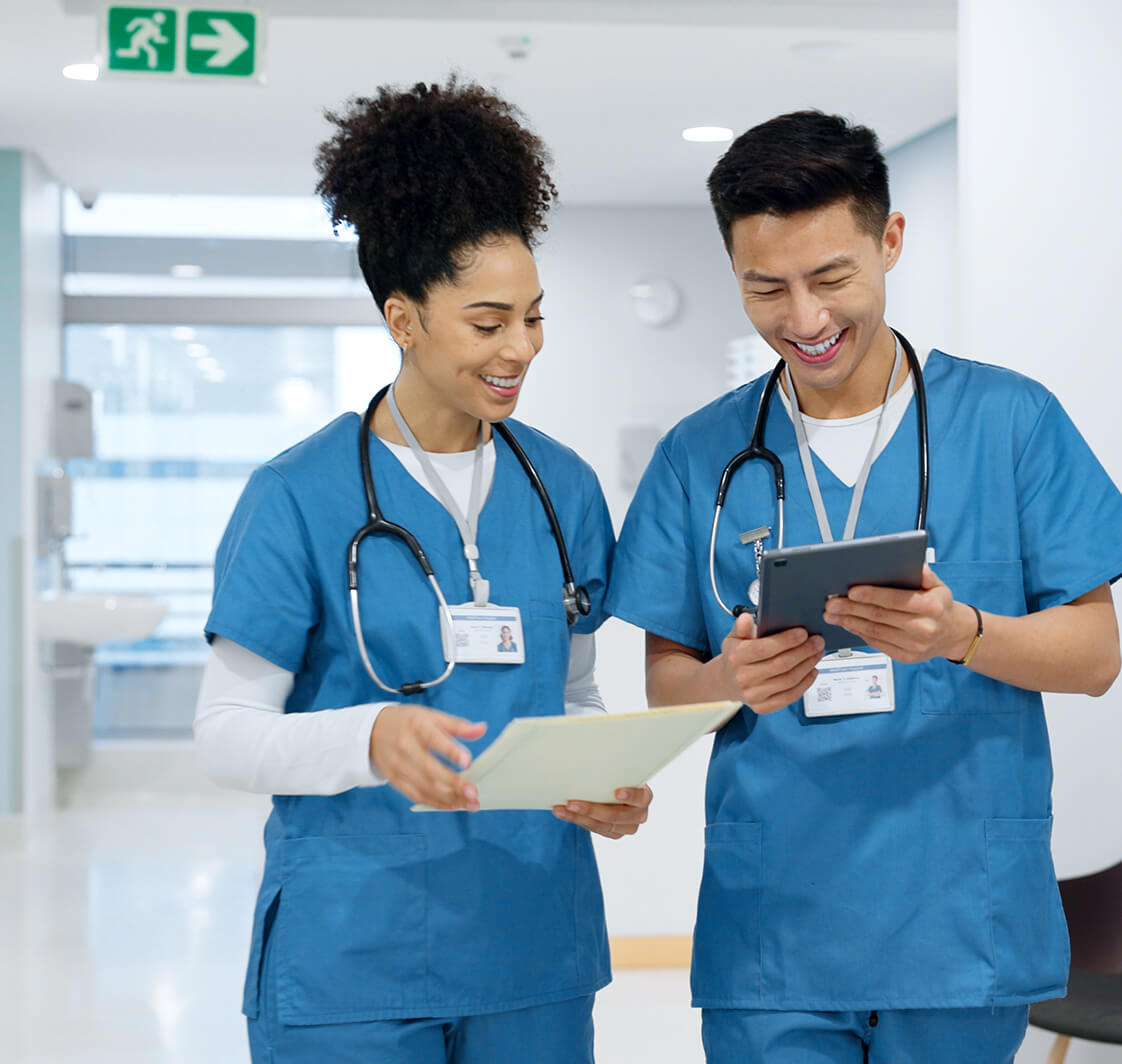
183 332
197 351
81 71
186 271
707 134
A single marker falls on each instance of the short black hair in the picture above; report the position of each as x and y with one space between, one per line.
799 162
425 175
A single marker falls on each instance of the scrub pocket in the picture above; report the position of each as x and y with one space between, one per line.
1027 923
726 943
949 689
350 928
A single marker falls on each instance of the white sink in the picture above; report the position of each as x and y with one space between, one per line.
90 618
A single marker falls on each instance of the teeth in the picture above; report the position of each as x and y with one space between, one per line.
818 349
502 382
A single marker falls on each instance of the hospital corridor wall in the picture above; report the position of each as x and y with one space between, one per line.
30 344
1040 226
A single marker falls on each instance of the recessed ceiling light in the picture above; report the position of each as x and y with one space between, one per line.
81 71
197 351
183 332
707 134
186 271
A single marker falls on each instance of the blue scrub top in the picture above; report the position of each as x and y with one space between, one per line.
894 860
378 912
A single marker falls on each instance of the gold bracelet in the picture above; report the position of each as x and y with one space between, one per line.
965 660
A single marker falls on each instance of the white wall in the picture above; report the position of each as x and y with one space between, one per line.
11 365
1040 231
41 343
30 317
922 288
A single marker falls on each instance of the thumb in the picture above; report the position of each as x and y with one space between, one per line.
929 580
744 627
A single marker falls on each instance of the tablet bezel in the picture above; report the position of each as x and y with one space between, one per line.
795 582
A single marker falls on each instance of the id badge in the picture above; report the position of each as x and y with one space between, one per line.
850 683
484 635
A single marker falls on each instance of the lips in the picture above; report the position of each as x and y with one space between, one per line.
504 387
823 351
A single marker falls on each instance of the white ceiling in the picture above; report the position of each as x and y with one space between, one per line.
609 84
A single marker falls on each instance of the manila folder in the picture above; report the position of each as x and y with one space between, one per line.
540 762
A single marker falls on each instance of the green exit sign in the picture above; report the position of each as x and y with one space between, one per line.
182 42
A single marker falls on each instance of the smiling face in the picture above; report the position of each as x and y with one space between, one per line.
467 347
813 286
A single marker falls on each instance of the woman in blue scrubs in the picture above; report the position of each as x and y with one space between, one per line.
381 933
878 884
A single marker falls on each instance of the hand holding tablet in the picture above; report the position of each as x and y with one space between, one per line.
796 582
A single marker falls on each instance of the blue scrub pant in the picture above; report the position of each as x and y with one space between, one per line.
557 1033
905 1036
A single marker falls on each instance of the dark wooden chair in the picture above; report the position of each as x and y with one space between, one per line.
1092 1009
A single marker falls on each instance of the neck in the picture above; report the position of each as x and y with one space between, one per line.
863 390
439 428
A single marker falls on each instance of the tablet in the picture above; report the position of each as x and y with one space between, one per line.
796 581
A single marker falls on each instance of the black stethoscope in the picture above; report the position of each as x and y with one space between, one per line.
574 596
756 449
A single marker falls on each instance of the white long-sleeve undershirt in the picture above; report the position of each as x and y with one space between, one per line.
247 742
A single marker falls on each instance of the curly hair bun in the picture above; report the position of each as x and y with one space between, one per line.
424 173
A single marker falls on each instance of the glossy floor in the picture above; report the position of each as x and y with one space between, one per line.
123 929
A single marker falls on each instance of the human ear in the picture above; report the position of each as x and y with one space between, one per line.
892 242
400 316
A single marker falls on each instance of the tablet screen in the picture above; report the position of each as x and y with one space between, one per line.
796 581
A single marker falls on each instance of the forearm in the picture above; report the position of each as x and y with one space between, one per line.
679 676
1072 648
247 742
265 752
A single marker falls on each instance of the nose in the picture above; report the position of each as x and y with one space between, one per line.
522 344
806 315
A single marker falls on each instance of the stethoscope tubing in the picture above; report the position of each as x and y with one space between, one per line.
756 449
576 598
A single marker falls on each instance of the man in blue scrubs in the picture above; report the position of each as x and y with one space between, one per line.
878 883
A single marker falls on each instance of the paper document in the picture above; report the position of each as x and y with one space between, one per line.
540 762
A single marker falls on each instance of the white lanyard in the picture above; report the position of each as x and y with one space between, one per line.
808 462
468 525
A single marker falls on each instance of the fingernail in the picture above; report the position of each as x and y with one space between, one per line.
623 795
577 807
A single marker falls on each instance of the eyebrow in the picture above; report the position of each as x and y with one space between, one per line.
501 306
754 277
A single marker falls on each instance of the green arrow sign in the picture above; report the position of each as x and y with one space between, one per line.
182 42
222 42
